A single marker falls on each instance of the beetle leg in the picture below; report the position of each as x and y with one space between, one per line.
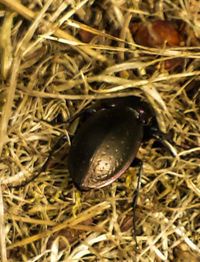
134 204
43 168
165 140
58 143
88 111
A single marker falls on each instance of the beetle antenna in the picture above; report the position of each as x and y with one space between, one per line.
134 204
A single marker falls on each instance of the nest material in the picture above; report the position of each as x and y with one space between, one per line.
56 58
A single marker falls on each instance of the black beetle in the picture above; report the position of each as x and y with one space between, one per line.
106 144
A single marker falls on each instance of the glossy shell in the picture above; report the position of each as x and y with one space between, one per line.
104 147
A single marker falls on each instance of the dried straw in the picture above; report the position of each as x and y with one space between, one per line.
56 58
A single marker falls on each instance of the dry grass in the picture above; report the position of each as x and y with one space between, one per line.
48 73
